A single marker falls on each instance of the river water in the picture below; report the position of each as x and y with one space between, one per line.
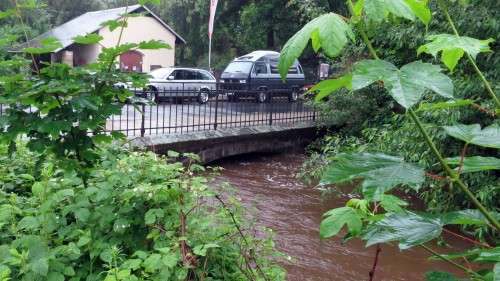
293 211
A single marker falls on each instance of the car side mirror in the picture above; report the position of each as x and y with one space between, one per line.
171 77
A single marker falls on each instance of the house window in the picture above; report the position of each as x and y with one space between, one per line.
155 66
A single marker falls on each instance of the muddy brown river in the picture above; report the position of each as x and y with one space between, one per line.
293 210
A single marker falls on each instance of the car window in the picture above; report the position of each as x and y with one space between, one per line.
293 70
160 73
260 68
205 76
180 74
273 63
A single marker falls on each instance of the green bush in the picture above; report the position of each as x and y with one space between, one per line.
142 217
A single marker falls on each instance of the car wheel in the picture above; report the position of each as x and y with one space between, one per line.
294 95
262 97
203 97
152 95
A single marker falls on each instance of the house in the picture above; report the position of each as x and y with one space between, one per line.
143 26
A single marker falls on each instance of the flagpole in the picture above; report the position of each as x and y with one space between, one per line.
210 53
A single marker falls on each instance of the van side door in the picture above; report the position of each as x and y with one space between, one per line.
259 76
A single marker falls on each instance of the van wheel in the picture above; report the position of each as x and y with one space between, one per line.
293 96
262 97
203 97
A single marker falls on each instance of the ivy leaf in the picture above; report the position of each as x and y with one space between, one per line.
114 24
472 134
475 163
408 228
444 105
47 45
328 32
327 87
153 45
380 172
379 10
88 39
439 276
335 219
407 85
453 47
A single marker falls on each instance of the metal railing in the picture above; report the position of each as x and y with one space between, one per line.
190 107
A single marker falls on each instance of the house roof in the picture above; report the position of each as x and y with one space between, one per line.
91 22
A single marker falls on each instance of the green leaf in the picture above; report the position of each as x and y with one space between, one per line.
201 250
55 276
335 219
439 276
472 134
152 215
82 214
327 87
475 163
496 272
444 105
453 47
408 228
379 10
328 32
88 39
40 266
114 24
7 13
28 223
380 172
489 255
144 2
407 85
465 217
47 45
153 45
392 203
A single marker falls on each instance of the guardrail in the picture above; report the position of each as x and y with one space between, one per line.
189 107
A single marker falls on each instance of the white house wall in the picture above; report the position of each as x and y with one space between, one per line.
144 28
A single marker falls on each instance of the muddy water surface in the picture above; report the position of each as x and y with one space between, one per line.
293 210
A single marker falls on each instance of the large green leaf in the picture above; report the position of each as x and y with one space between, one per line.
406 85
336 219
472 134
408 228
379 10
47 45
327 87
464 217
380 172
475 163
453 47
153 45
88 39
328 32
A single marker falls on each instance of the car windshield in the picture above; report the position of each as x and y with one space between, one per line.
160 73
239 67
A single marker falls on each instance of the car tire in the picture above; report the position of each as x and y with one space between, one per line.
262 96
152 95
293 96
203 96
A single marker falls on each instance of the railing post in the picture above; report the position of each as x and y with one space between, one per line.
216 104
143 120
270 99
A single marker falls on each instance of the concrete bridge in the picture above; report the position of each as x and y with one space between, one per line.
222 143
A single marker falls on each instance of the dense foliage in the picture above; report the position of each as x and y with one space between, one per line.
125 225
419 115
75 207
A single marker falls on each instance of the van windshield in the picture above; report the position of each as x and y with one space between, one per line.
239 67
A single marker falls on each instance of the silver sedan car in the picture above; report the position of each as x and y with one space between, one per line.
180 83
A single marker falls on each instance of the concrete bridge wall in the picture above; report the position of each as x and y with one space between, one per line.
215 145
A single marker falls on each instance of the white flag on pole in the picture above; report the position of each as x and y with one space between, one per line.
213 9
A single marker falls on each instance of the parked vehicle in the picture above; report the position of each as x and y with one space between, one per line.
181 83
256 75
